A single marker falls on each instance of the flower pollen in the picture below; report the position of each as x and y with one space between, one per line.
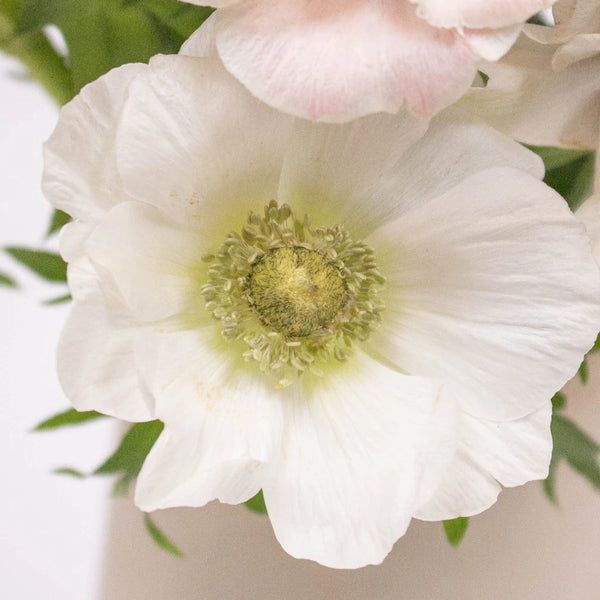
297 295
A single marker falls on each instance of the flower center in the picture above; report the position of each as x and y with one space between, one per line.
296 291
297 296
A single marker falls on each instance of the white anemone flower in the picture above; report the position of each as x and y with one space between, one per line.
367 320
546 90
335 60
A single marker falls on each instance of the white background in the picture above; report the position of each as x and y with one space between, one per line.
50 526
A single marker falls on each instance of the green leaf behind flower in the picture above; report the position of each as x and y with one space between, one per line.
70 471
128 458
257 503
57 221
68 417
7 281
48 265
160 538
455 529
103 34
569 172
575 446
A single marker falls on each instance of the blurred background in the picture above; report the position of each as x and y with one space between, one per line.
67 538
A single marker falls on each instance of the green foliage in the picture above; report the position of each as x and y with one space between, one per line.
160 538
455 530
35 52
128 458
6 281
576 447
48 265
257 503
68 417
569 172
103 34
57 300
70 471
583 372
58 220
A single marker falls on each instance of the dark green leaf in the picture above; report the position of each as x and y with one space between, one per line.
558 401
455 529
48 265
596 345
102 34
69 471
484 77
577 448
7 281
57 300
68 417
133 449
569 172
160 538
59 218
257 503
583 372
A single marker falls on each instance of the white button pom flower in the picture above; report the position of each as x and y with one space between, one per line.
335 60
367 320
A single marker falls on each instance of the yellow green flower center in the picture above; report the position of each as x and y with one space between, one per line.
296 291
298 296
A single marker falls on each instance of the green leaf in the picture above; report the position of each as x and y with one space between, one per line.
48 265
57 300
569 172
35 52
68 417
583 372
160 538
70 472
257 503
102 34
58 220
128 458
577 448
7 281
455 530
558 401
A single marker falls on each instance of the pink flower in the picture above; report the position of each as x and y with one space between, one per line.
336 60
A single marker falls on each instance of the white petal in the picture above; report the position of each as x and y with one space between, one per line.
373 170
80 174
186 468
511 452
223 420
578 49
571 17
96 361
478 13
338 61
346 483
523 86
492 289
214 150
202 42
153 261
589 214
492 44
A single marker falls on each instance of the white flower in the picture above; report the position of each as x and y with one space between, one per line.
367 321
546 90
336 60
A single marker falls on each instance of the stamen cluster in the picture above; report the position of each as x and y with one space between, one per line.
297 295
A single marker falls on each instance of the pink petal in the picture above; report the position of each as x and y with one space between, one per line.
337 61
